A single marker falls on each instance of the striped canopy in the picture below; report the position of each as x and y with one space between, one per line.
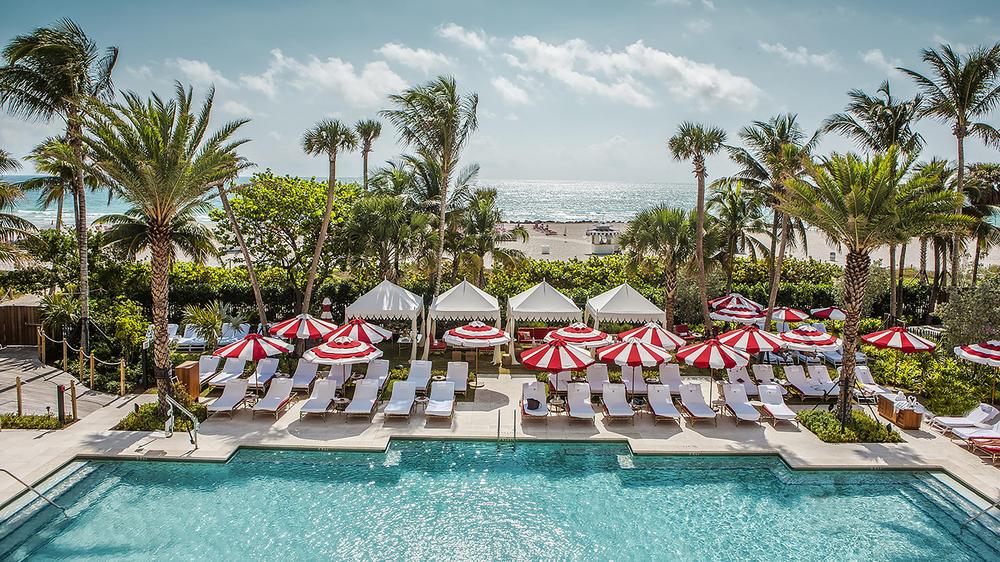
713 354
361 330
734 300
304 327
342 351
786 314
476 334
807 338
580 334
740 315
557 355
253 348
899 339
752 340
633 353
655 334
829 313
985 353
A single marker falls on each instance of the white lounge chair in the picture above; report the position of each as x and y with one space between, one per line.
616 406
233 396
319 401
670 376
279 396
559 382
578 401
378 370
821 375
241 332
419 375
304 375
805 387
534 390
365 399
774 404
738 404
339 373
401 400
634 383
208 366
171 332
458 373
662 404
232 369
980 430
693 404
863 378
739 375
265 371
597 375
836 357
765 375
982 414
191 338
442 400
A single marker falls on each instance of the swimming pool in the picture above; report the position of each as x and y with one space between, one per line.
477 500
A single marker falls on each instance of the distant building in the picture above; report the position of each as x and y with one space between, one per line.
604 240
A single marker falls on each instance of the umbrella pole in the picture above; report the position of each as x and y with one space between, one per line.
475 379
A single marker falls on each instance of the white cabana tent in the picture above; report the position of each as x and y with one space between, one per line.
623 304
464 301
541 303
388 301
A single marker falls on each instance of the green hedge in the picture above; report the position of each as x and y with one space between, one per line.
859 429
14 421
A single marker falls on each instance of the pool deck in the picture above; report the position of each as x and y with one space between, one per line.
32 455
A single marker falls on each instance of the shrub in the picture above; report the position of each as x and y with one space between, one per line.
148 418
859 429
14 421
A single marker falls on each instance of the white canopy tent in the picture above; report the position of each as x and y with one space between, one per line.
623 304
541 303
388 301
464 301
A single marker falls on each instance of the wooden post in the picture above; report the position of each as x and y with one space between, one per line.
91 370
41 346
65 355
82 372
121 377
72 397
17 386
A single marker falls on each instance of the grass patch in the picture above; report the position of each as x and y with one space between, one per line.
859 429
14 421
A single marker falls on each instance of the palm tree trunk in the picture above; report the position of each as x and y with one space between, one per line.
160 286
779 260
960 186
923 260
59 211
775 225
935 285
670 290
730 260
251 270
699 248
892 282
75 135
364 158
445 178
975 261
324 227
855 281
899 283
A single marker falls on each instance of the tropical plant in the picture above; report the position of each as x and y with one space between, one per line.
54 72
209 318
382 227
483 235
368 131
14 229
132 234
158 157
54 158
739 223
245 252
8 163
983 205
60 311
437 122
959 90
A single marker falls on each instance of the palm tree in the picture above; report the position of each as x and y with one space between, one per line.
8 163
54 158
851 200
668 233
367 130
245 251
13 228
387 230
437 122
329 137
53 72
483 236
157 156
983 205
958 91
738 222
131 234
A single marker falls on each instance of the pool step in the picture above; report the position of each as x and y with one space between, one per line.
950 510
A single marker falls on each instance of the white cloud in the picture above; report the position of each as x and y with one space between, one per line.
199 73
941 40
877 58
143 72
698 26
236 108
510 92
801 56
421 59
471 38
511 117
980 20
708 4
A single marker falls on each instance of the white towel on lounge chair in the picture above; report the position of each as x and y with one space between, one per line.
420 374
615 404
378 371
233 396
597 375
208 365
559 381
765 375
340 373
978 430
739 375
534 390
191 337
863 378
633 379
797 378
670 376
458 373
304 375
232 369
401 399
981 414
738 403
365 399
277 397
694 401
322 396
821 375
774 404
266 369
442 400
578 401
661 403
171 331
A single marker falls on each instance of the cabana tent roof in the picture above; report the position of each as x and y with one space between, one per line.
387 301
542 303
624 304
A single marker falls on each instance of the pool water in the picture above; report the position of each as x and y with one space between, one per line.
484 501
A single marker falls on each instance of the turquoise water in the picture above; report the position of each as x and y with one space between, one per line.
462 500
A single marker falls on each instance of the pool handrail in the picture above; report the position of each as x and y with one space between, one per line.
168 427
32 488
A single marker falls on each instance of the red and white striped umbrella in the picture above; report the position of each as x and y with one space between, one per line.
985 353
580 334
752 340
713 354
829 313
633 353
740 315
555 356
899 339
304 327
734 300
327 312
655 334
807 338
253 347
476 334
786 314
361 330
342 351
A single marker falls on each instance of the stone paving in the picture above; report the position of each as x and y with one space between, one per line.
39 383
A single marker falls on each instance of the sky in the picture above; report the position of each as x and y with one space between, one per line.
568 90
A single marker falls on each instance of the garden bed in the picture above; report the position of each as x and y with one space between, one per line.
859 429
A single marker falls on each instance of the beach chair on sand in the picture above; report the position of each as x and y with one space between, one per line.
304 375
739 375
419 375
365 399
378 371
578 402
738 404
559 382
458 373
233 396
208 366
320 400
662 404
981 414
670 376
534 391
597 375
442 400
693 404
616 406
401 401
232 369
279 396
774 404
266 369
765 375
633 380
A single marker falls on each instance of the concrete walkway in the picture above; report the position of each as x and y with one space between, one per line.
39 383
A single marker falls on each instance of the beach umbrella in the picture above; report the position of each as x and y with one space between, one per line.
829 313
985 353
581 335
734 300
253 347
807 338
476 335
361 330
787 314
632 352
752 339
899 339
556 355
303 327
342 351
655 334
327 313
713 354
740 315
